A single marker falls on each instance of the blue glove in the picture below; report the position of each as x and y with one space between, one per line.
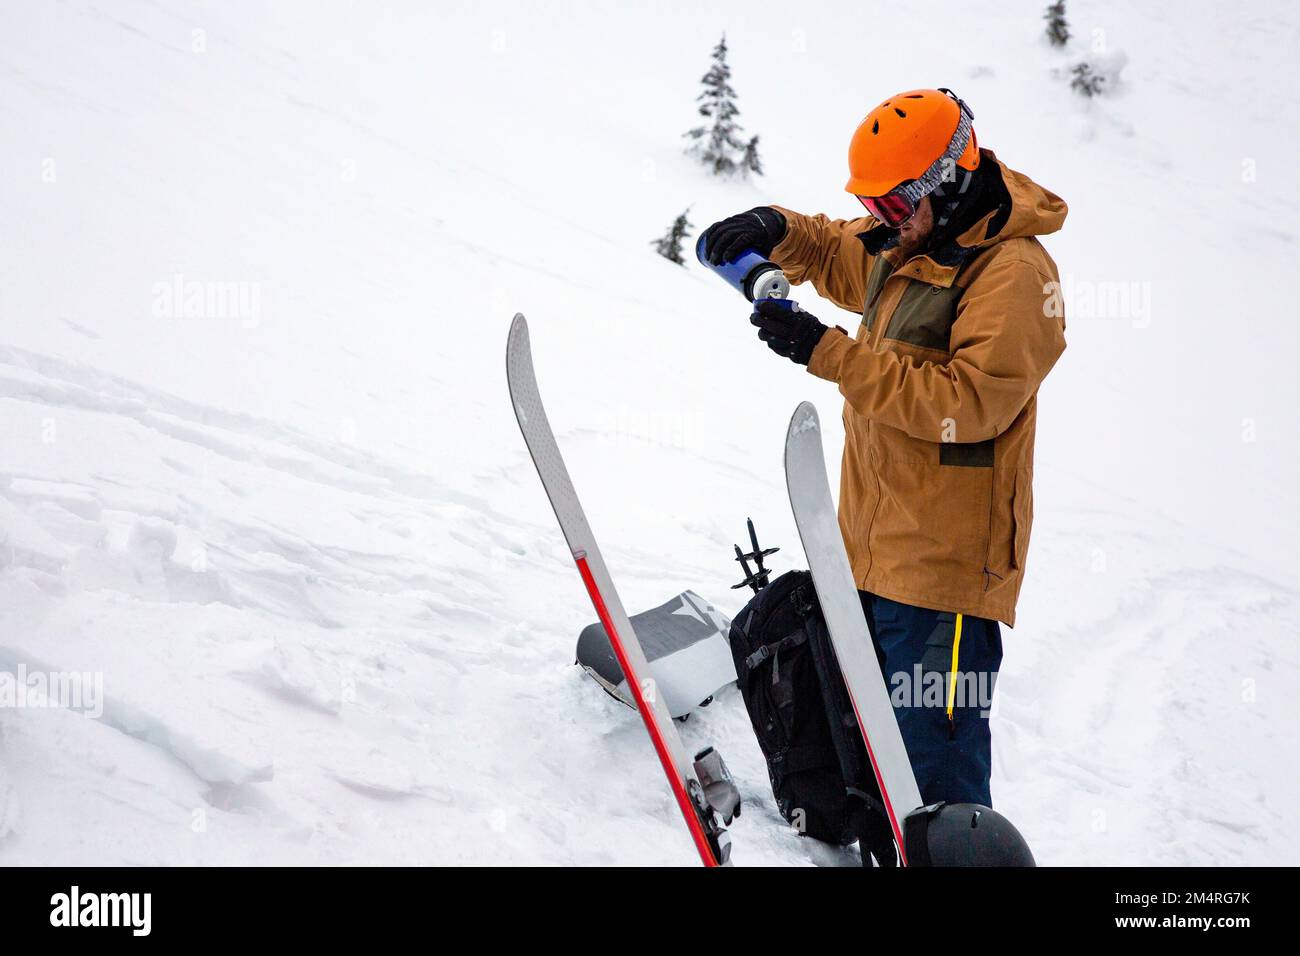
787 329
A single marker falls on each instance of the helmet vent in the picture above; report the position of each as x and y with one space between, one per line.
875 127
900 113
912 96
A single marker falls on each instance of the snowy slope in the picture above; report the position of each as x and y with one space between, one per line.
301 541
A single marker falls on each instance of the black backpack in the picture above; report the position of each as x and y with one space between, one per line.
802 715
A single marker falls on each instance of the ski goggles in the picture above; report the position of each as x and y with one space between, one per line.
898 205
892 208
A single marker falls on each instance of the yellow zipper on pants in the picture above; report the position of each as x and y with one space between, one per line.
952 678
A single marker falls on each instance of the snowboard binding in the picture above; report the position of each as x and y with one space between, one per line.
758 577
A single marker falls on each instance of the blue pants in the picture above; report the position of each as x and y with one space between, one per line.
951 757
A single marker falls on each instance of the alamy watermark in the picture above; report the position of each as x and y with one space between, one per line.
1127 299
69 690
232 301
133 911
929 688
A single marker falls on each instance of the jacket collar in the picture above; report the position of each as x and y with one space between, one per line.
939 266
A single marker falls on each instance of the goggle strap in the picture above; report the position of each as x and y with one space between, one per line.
923 185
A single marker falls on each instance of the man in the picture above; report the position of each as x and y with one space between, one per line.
960 324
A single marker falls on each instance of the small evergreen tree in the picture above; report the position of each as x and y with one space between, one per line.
751 163
1085 82
670 244
718 144
1058 31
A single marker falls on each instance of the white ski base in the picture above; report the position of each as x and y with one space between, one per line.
819 530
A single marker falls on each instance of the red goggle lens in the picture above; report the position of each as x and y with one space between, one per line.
891 209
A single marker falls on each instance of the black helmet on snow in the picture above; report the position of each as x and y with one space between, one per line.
963 834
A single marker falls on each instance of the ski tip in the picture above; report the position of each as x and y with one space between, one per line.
804 419
517 343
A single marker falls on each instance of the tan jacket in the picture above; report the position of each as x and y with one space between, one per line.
936 492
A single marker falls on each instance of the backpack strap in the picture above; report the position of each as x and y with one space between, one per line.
871 822
772 650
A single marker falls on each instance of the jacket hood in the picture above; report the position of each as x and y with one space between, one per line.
1025 209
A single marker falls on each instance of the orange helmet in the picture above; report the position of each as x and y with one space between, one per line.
906 139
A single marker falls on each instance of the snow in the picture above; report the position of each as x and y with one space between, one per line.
262 476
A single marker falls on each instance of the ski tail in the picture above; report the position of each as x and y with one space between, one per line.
707 832
819 530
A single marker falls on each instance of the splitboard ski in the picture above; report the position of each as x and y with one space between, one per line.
703 788
819 530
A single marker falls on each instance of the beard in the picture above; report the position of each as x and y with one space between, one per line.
913 234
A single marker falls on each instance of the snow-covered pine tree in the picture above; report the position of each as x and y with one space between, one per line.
670 244
718 145
1085 81
751 162
1058 31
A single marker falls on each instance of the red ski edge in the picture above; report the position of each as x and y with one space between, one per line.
651 725
894 823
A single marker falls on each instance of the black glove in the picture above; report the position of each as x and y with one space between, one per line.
759 229
787 329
